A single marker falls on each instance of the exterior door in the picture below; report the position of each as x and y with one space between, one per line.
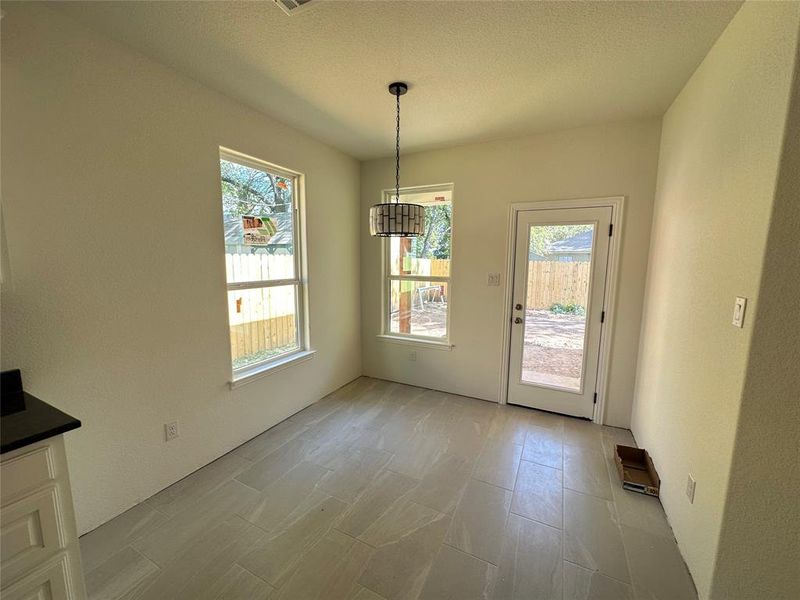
560 266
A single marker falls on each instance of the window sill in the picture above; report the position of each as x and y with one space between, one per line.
259 371
396 339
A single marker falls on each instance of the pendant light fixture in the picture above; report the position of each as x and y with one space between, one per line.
397 219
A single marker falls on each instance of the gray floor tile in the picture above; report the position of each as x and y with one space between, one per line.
276 464
540 418
544 446
361 593
585 471
538 494
592 537
319 507
458 576
381 495
467 437
328 571
118 574
199 571
240 584
352 472
269 441
286 497
315 412
583 584
479 521
498 464
657 568
279 552
401 519
443 485
179 532
510 424
398 568
110 538
419 454
530 564
192 488
579 432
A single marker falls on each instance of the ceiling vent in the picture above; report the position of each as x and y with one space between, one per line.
292 7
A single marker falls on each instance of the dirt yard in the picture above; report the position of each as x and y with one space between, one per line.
430 321
553 348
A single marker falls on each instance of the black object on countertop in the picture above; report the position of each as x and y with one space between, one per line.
24 419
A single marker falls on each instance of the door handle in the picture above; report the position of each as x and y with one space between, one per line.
517 320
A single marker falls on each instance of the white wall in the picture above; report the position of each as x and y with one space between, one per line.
762 504
115 304
607 160
720 151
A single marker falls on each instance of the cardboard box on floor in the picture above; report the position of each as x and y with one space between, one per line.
636 470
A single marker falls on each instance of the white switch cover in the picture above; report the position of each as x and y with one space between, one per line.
171 430
738 311
494 279
690 485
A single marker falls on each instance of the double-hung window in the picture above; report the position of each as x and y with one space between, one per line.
261 216
417 270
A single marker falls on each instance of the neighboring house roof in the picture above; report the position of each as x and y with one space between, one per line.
234 232
578 243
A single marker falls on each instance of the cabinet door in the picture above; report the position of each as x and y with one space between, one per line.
29 532
50 582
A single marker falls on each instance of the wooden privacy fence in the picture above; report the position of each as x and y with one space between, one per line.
255 336
551 282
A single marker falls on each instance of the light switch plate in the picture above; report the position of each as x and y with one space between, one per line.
171 430
738 311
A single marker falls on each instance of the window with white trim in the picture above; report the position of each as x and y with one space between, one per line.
263 245
417 270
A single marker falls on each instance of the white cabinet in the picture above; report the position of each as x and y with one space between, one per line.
39 553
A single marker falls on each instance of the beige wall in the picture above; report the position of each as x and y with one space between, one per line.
608 160
114 304
762 503
720 151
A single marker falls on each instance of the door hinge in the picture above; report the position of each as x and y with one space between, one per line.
595 398
610 229
603 316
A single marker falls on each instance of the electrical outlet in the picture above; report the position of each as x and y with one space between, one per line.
493 279
412 355
690 485
170 430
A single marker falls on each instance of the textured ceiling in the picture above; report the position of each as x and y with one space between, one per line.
477 70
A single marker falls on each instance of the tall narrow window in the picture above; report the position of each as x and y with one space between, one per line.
262 260
417 293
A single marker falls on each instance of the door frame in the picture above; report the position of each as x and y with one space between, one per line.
617 205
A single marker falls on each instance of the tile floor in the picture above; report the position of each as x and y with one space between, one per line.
387 491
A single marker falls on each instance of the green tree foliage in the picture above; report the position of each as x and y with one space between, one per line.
544 235
435 243
248 191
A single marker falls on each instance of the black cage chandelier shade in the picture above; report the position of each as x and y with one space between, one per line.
397 219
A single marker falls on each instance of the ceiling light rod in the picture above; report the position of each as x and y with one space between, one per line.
398 219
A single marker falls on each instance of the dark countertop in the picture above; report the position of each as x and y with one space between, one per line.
25 419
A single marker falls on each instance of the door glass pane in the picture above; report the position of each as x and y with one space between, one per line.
263 324
258 215
559 265
419 308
